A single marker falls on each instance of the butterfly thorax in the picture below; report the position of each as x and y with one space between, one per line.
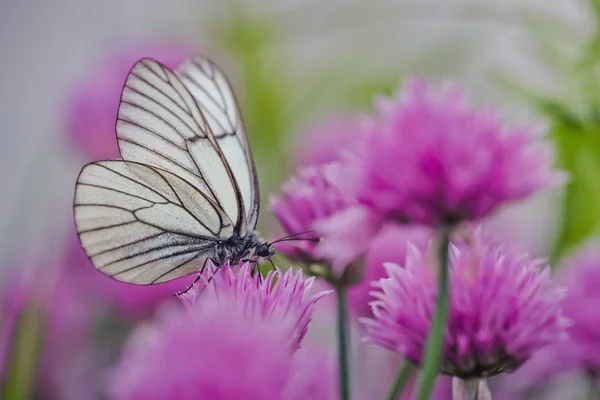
251 248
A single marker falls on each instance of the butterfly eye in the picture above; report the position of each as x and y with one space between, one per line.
264 250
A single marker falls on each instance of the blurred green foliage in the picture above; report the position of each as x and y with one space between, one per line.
573 109
24 354
274 104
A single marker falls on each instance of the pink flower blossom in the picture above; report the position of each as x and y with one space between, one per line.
93 103
432 159
285 297
503 308
307 198
75 299
389 245
231 342
580 353
68 317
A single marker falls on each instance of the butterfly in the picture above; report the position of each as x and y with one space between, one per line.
186 190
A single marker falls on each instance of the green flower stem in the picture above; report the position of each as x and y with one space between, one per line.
431 358
404 373
342 328
25 350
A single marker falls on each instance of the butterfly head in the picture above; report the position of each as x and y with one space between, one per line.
265 251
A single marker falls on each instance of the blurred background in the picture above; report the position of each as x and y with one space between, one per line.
296 66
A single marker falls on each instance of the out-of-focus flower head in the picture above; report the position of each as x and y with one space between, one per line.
432 159
389 245
94 102
221 347
307 198
580 273
75 299
132 301
503 308
285 297
67 319
327 140
581 276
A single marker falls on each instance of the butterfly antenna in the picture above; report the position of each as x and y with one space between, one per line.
293 237
298 240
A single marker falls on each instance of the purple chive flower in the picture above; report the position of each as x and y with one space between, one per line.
93 103
389 245
231 342
307 198
69 316
285 297
326 141
503 307
580 353
580 306
432 159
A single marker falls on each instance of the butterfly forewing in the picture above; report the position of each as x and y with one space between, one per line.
144 225
160 124
215 98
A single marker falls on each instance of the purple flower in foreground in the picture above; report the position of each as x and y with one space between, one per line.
432 159
93 104
230 344
285 297
503 307
308 198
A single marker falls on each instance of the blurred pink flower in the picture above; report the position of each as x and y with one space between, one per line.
285 297
68 315
221 347
327 140
503 308
432 159
580 273
92 106
389 245
133 301
307 198
581 276
76 299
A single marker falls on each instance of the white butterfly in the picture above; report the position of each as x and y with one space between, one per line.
186 191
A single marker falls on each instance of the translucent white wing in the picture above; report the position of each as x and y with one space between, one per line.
215 98
159 124
144 225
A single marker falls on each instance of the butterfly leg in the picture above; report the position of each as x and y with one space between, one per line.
256 271
187 289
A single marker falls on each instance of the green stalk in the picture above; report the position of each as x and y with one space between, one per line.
433 348
405 371
342 328
24 356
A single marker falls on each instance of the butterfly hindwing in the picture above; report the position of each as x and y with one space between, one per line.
144 225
